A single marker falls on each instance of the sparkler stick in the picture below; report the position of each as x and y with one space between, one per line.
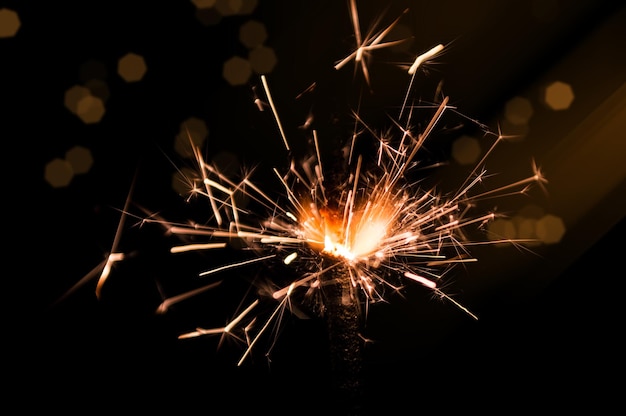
343 318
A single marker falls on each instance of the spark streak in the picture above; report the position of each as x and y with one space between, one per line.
370 43
424 57
192 247
271 102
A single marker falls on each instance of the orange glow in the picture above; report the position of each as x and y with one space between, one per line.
355 236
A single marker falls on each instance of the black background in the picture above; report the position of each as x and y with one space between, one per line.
549 332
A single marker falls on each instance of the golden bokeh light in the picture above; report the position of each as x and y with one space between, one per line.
559 95
466 150
252 34
550 229
237 71
262 59
80 101
90 109
131 67
518 110
73 95
80 159
9 23
58 173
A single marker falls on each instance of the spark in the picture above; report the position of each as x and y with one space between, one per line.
426 282
375 227
192 247
114 256
233 265
419 61
364 46
271 102
165 305
103 269
426 56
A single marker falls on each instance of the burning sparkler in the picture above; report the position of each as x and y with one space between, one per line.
347 238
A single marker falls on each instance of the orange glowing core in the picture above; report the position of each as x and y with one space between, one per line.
352 237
